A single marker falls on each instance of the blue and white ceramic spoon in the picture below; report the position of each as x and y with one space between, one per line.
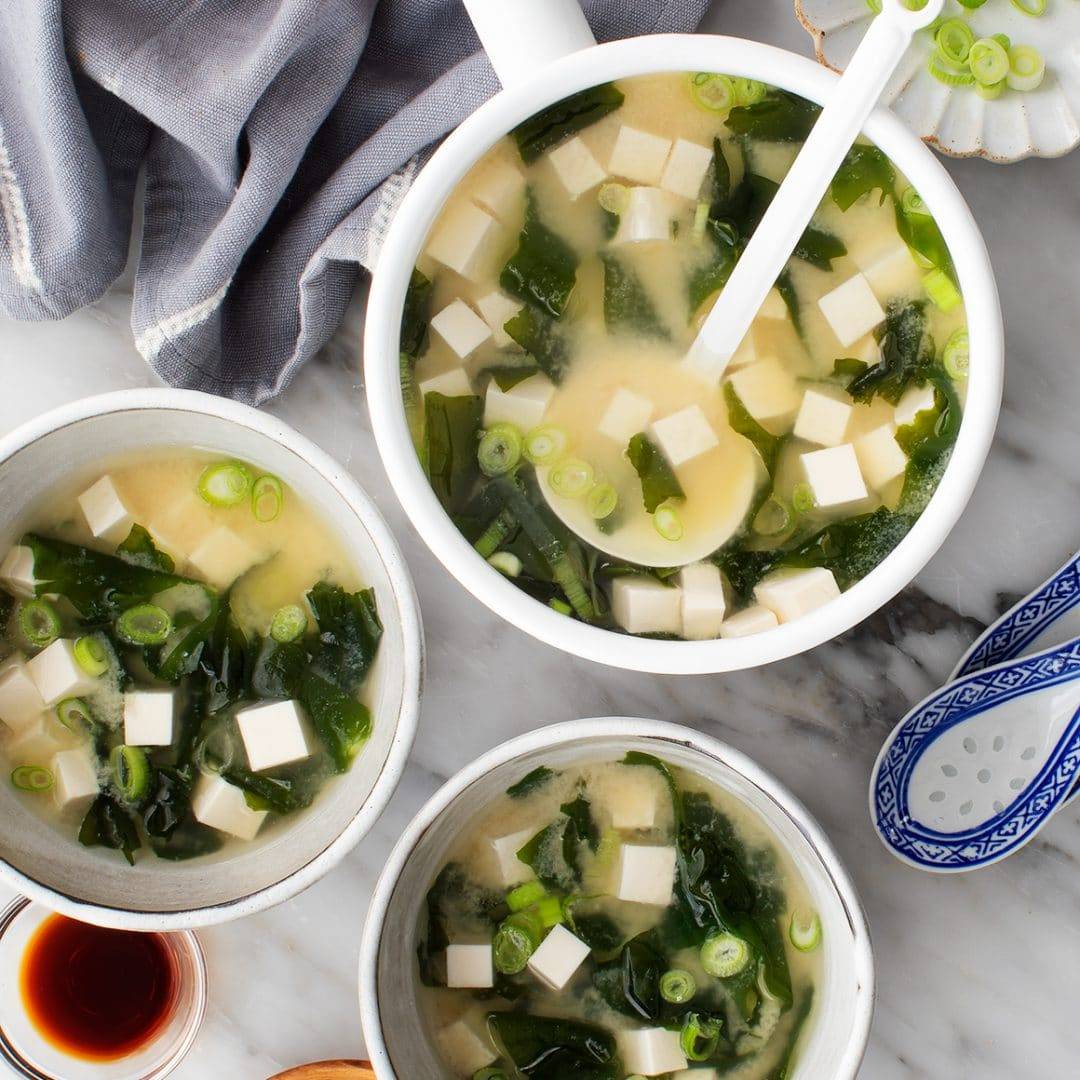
974 771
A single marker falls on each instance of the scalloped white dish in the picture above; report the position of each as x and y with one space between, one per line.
1042 123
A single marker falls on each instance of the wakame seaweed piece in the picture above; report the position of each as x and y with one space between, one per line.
182 653
413 403
558 122
225 660
710 276
451 435
599 931
921 233
865 169
921 480
819 248
108 824
415 316
630 984
553 1048
531 782
933 431
785 286
279 668
579 811
507 376
342 723
99 586
138 548
262 792
552 854
907 353
743 568
765 443
543 270
627 305
190 841
658 481
349 633
169 801
539 335
777 117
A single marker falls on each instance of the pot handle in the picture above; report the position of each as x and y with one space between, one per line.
522 36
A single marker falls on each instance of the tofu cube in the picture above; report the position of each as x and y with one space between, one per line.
635 810
512 870
148 717
461 328
639 156
699 1073
834 476
470 966
222 557
751 620
627 414
452 383
642 605
822 418
75 780
650 1051
497 309
222 806
17 572
576 167
892 273
790 594
648 216
463 239
880 457
745 354
767 390
852 310
106 515
916 399
34 744
686 167
774 308
56 673
684 435
646 874
559 955
703 601
523 405
21 703
467 1050
273 734
500 190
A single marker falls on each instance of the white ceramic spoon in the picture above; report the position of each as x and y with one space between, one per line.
850 105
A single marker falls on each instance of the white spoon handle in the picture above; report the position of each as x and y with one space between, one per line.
852 101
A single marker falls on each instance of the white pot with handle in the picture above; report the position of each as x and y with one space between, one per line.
544 52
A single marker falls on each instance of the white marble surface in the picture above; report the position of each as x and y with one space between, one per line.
978 975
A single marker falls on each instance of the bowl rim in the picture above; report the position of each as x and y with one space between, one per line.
657 53
606 727
404 600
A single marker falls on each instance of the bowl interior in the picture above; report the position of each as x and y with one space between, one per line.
834 1037
91 876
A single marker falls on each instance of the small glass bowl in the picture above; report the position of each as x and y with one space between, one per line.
29 1054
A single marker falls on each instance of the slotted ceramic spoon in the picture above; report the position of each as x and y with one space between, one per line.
852 101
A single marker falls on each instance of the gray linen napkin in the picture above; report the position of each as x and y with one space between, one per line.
277 138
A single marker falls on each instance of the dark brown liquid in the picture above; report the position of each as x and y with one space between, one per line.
94 993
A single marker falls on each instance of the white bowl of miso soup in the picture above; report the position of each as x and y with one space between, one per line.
646 511
615 898
209 662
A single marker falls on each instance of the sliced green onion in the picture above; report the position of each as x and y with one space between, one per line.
524 896
1034 8
499 450
602 501
941 290
802 498
713 92
954 358
267 498
31 778
773 518
701 221
543 445
571 478
677 986
954 39
91 655
1003 40
804 931
144 624
491 1072
130 771
1026 68
561 606
991 93
507 563
614 198
289 623
971 5
74 714
515 941
499 528
699 1037
724 955
874 6
948 73
749 91
988 61
225 484
550 911
39 623
668 524
911 202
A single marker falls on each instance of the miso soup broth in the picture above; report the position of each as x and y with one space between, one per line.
184 655
578 447
616 919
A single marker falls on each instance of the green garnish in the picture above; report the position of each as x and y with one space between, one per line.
225 483
267 498
130 772
144 624
289 623
39 623
33 778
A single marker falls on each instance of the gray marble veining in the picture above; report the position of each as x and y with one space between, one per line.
978 975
